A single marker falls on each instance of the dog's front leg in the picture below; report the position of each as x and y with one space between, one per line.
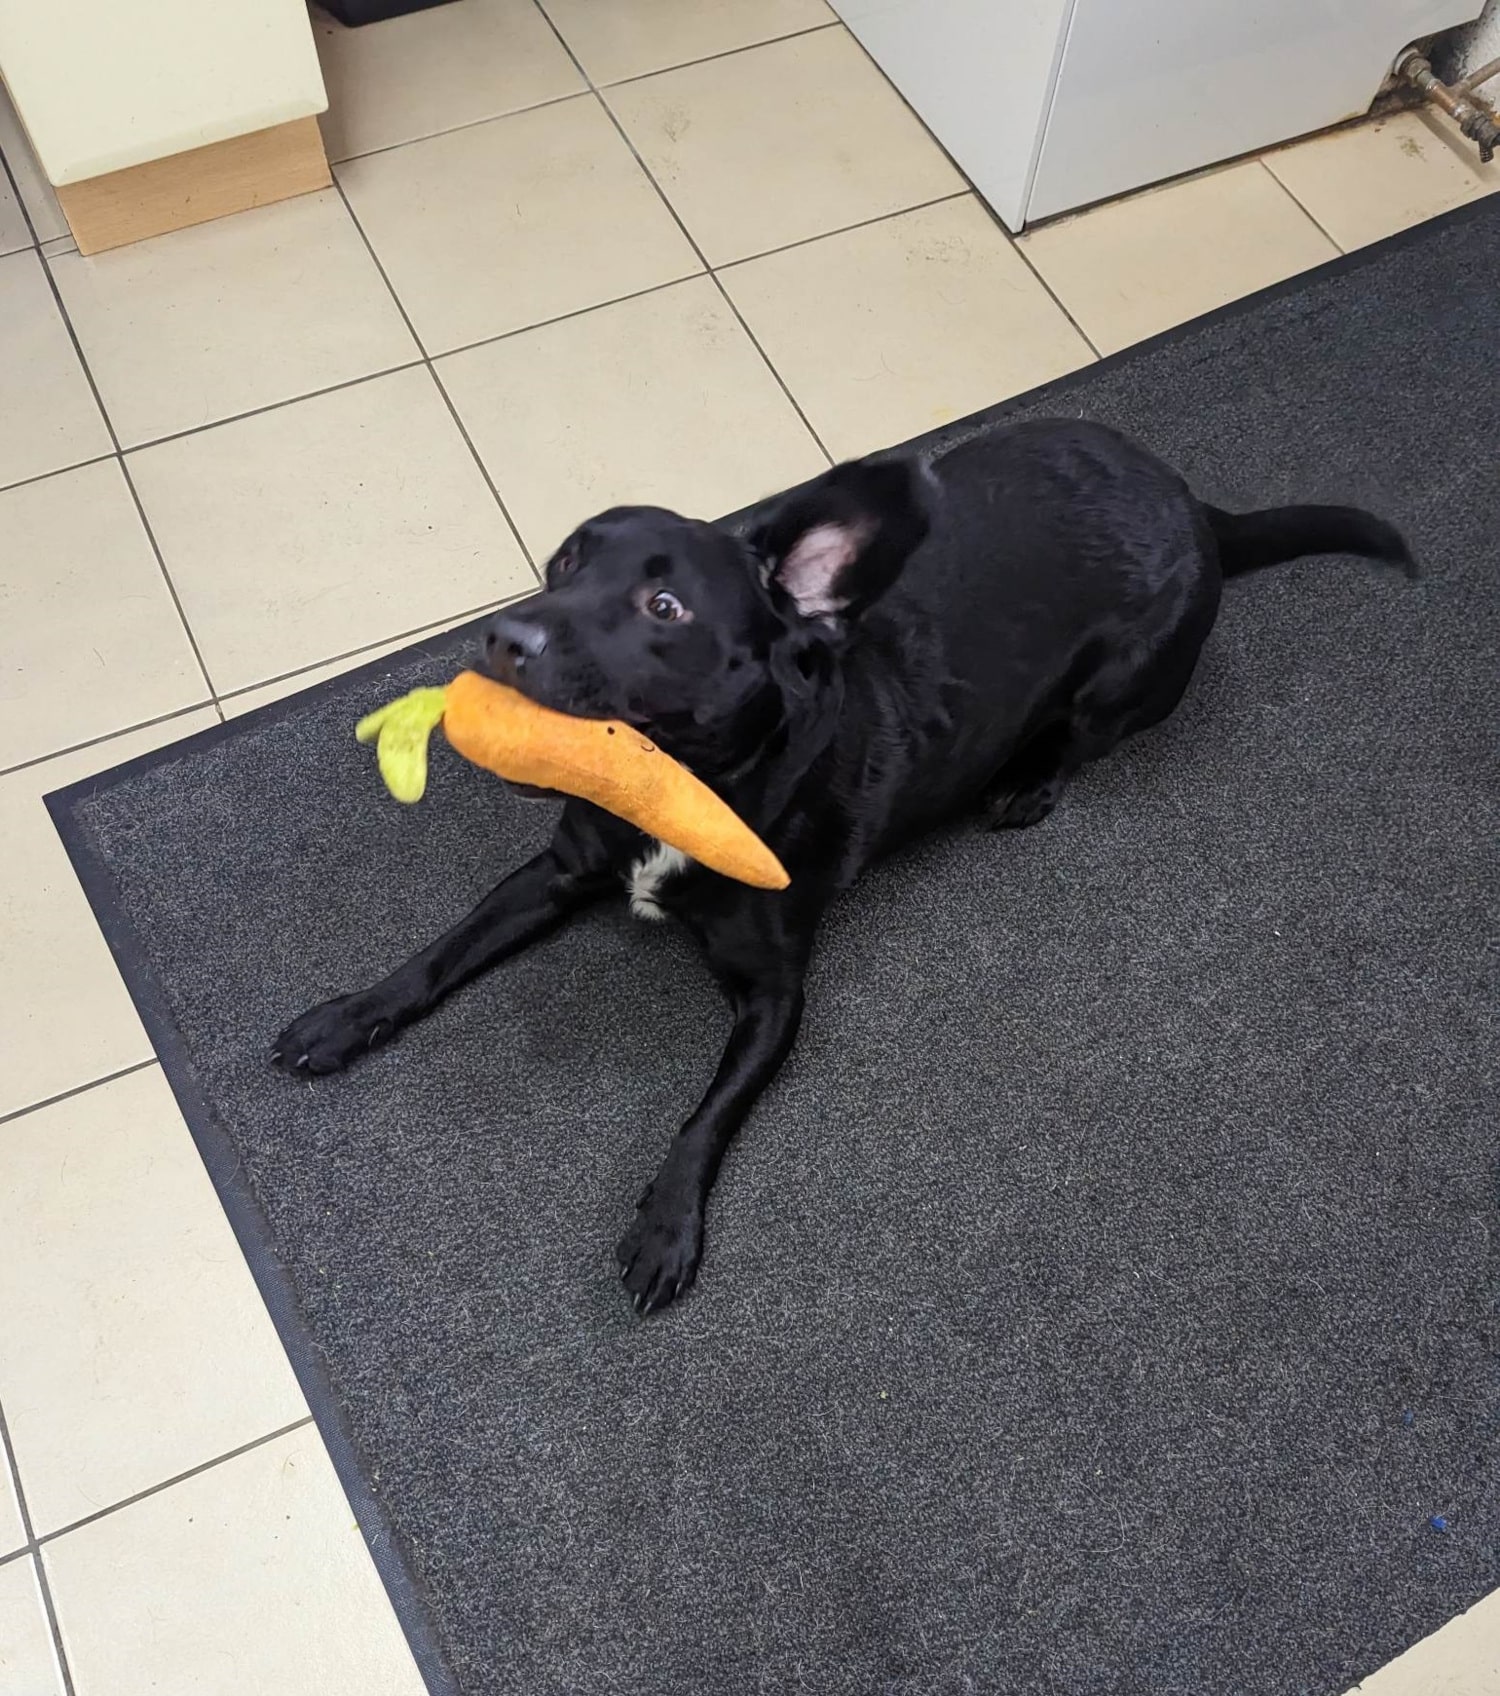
660 1252
577 867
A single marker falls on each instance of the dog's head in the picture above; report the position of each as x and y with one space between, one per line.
703 639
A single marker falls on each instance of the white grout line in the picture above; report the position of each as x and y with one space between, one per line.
407 638
58 471
34 1544
275 405
119 457
8 1458
107 736
176 1478
564 317
1307 212
687 234
439 627
705 59
335 165
78 1089
107 421
140 508
1022 253
484 470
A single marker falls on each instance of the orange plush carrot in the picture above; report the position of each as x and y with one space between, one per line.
605 762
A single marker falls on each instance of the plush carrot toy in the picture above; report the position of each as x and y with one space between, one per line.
598 760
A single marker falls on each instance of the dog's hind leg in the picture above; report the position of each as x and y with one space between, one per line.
1106 697
1059 740
1028 785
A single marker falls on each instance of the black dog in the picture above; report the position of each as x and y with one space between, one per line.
889 645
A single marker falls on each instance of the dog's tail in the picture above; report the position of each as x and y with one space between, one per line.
1249 541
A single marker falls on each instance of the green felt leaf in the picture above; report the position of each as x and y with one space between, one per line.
401 732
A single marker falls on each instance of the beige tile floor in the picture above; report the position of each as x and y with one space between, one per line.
668 250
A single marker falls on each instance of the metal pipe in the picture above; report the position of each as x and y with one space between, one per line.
1476 120
1472 81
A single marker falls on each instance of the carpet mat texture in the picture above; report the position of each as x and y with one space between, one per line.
1103 1300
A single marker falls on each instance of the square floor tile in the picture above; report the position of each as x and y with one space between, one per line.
225 317
631 38
1372 179
1137 266
14 231
92 641
48 418
250 1579
661 400
236 706
435 70
329 525
28 1660
147 1350
780 143
36 192
505 224
889 330
12 1530
67 1019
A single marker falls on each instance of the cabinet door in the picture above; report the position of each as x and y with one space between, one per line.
1153 88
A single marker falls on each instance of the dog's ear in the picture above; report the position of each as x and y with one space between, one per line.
838 543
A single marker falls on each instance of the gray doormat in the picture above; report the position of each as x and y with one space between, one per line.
1104 1300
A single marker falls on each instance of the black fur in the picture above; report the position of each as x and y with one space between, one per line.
889 647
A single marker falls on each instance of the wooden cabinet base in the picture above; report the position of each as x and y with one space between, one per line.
190 188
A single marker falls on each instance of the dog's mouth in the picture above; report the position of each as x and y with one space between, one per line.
530 792
575 702
543 693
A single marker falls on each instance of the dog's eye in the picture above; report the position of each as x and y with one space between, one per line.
665 606
562 564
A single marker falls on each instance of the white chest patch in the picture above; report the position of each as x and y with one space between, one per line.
647 876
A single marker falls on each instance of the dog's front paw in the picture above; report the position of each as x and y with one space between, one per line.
660 1252
327 1037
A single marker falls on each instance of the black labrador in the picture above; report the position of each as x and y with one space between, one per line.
885 647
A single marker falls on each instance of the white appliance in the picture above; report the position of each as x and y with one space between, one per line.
1049 105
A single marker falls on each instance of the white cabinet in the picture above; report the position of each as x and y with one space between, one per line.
147 118
1049 105
102 86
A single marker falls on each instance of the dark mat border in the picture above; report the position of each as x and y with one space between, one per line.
214 1146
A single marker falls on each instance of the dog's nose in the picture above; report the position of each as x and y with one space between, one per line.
516 640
